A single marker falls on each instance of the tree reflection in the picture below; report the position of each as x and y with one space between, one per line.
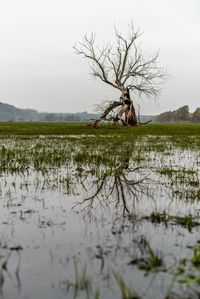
120 186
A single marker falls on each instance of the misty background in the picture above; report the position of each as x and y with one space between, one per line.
39 69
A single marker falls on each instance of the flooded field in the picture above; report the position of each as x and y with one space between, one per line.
95 215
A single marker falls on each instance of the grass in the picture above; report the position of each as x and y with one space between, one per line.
77 158
196 256
81 282
150 261
126 292
179 173
81 285
185 275
45 128
186 221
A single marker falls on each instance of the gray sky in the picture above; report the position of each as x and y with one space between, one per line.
38 67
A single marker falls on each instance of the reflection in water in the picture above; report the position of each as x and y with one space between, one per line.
119 186
127 246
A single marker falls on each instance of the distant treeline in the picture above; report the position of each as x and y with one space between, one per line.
181 114
12 113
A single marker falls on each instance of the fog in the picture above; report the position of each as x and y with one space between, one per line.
39 69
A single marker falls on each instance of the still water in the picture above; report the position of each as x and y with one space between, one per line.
84 218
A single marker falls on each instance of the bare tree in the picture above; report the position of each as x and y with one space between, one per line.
124 67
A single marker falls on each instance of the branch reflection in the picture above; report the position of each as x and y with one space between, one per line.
118 186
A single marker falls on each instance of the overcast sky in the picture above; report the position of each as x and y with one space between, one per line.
39 69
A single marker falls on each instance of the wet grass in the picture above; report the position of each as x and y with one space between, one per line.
129 186
126 292
185 276
82 282
177 173
187 221
151 261
42 128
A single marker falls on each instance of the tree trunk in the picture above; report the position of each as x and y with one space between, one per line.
126 114
127 108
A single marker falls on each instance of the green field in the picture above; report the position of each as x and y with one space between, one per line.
43 128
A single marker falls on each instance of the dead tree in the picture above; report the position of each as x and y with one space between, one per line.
126 68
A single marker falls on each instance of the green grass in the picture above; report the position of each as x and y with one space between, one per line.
44 128
126 292
179 173
150 261
187 221
116 167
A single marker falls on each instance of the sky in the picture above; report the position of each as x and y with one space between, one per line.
39 68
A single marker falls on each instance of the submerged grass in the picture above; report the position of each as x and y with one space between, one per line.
150 261
185 275
110 165
178 173
126 292
187 221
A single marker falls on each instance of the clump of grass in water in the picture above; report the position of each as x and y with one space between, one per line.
185 182
186 276
196 256
126 292
188 194
152 262
179 173
82 283
188 221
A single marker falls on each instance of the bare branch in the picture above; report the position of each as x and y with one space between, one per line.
125 67
98 57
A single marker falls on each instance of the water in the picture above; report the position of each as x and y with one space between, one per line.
75 206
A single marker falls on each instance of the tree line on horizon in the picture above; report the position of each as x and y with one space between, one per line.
180 114
11 113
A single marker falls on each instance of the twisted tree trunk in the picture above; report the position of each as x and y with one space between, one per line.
126 114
